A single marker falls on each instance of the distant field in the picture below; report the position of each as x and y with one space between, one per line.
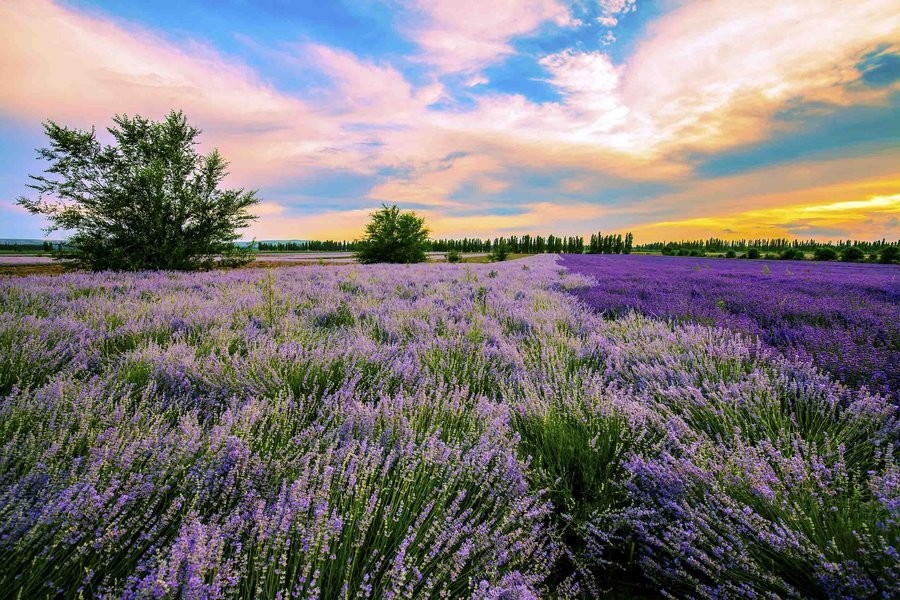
843 316
25 259
268 257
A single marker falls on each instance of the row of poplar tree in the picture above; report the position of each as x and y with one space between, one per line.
524 244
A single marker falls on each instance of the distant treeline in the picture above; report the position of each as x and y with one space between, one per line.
848 250
525 244
717 245
611 244
780 248
308 246
30 246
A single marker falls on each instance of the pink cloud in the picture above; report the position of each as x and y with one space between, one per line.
434 182
80 70
705 78
466 35
616 7
708 77
537 217
711 75
369 91
612 9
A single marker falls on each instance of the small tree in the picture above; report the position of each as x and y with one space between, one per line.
148 201
825 253
393 237
852 254
753 253
499 253
889 254
453 256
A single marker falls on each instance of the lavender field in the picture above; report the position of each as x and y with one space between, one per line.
843 317
452 431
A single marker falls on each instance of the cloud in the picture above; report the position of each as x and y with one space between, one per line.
11 206
704 78
538 218
860 195
432 184
367 91
610 11
711 75
617 7
466 35
870 218
78 69
708 77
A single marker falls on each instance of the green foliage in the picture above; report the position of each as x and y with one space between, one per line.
393 237
889 254
825 253
730 254
342 316
578 457
499 253
773 246
852 254
791 254
148 201
752 253
453 256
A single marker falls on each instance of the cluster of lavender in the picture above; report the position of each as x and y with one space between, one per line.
429 430
844 317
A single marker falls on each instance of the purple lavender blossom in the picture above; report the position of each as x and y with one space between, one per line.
843 317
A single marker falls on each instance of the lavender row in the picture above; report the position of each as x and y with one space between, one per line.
432 430
843 317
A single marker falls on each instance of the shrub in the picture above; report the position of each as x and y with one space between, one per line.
578 455
753 253
791 254
889 254
393 237
149 201
730 254
825 253
453 256
852 254
499 253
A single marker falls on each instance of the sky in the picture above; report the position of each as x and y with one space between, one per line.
671 119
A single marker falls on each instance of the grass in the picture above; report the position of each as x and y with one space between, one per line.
43 269
487 259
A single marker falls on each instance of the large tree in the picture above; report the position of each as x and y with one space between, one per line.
393 237
147 201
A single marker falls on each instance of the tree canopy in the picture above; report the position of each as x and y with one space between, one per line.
147 201
393 236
